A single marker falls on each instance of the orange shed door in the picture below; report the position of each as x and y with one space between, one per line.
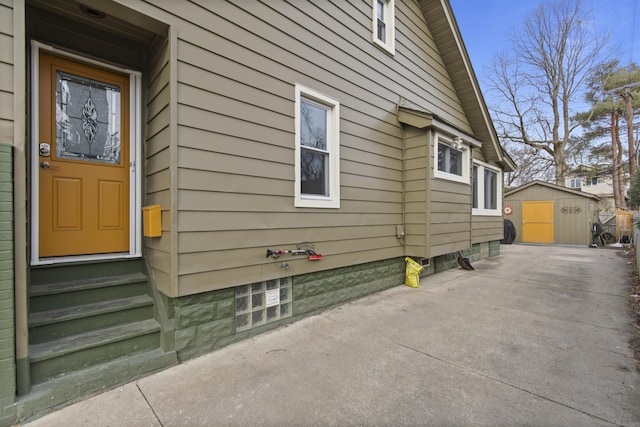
537 221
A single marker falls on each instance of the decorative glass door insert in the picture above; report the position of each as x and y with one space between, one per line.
87 119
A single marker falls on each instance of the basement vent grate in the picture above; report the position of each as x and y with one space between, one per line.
262 303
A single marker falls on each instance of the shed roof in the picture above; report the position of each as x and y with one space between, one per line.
553 187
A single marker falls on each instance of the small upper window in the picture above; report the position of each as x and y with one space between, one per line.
317 179
487 190
383 24
452 160
449 160
592 181
576 183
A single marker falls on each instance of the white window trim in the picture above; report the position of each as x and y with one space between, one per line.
573 181
466 153
333 146
390 44
488 212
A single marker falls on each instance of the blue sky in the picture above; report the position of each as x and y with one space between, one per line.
485 25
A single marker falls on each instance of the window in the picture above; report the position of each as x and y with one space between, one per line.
575 183
591 181
452 160
262 302
487 190
449 160
317 179
383 24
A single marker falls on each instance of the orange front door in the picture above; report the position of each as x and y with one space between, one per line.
537 222
83 159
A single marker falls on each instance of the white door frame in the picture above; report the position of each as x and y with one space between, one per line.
135 175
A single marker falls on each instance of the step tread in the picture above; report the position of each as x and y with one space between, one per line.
81 311
82 284
91 339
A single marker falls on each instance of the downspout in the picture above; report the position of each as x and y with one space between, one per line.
401 233
471 210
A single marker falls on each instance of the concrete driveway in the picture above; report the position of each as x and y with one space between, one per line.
537 336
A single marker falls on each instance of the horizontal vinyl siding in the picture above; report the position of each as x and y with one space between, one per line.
237 66
416 192
450 227
6 74
157 182
487 229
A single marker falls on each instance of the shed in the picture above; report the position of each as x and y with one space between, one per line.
547 213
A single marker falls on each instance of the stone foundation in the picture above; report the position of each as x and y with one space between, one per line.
208 321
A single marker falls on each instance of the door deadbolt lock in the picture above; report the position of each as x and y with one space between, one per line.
45 149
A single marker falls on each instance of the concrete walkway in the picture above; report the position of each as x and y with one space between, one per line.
537 336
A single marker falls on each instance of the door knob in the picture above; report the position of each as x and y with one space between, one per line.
47 165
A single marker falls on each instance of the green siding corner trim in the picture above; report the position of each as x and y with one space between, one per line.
7 315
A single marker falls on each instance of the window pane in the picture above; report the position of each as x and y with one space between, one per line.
381 5
449 160
313 125
314 172
475 187
455 159
490 189
442 157
382 26
382 34
87 119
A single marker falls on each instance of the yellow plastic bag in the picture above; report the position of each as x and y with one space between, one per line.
412 273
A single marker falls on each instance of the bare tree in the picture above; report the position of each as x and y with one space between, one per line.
551 55
530 166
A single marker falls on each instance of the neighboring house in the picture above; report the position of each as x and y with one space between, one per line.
548 213
595 179
354 129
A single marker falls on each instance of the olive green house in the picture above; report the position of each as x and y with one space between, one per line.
178 175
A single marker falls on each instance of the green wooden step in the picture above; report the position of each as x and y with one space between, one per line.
46 297
84 284
58 323
71 353
44 274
